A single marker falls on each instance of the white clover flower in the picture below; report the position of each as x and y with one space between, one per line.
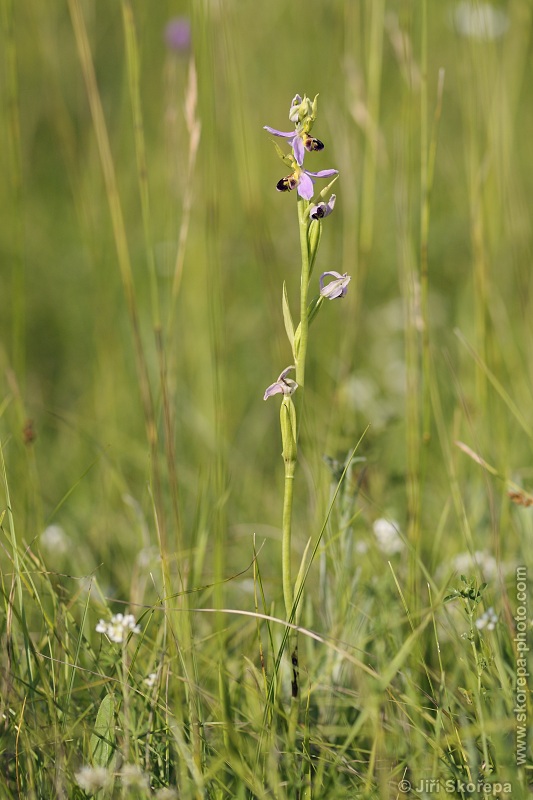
387 533
119 627
487 620
54 539
481 559
132 775
151 679
91 779
481 21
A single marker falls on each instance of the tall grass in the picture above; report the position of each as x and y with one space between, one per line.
143 250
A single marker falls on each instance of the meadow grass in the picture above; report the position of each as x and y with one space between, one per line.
144 250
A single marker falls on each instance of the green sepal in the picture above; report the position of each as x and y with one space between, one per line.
314 108
323 194
287 317
288 160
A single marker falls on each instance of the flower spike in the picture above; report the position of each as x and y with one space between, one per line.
294 109
303 111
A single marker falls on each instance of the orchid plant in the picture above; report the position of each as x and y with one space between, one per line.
302 114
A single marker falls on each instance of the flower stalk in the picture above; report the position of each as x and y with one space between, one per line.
310 220
300 355
288 437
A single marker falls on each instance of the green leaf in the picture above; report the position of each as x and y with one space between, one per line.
297 337
300 578
449 597
287 317
312 310
102 743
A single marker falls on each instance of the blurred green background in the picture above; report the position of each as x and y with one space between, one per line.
421 370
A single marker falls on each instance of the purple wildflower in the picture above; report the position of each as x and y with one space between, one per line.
335 288
178 34
283 385
322 210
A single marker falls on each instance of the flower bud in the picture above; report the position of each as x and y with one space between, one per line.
314 108
287 418
301 110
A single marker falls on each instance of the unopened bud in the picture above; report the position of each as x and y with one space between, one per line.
314 233
287 418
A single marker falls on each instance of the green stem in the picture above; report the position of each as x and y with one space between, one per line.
303 221
290 437
286 540
289 426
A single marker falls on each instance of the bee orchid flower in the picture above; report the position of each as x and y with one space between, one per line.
322 210
303 180
335 288
283 385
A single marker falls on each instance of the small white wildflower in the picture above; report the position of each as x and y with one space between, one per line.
387 533
132 775
147 556
54 539
119 627
247 586
361 547
482 21
481 559
91 779
167 793
151 679
487 620
364 395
